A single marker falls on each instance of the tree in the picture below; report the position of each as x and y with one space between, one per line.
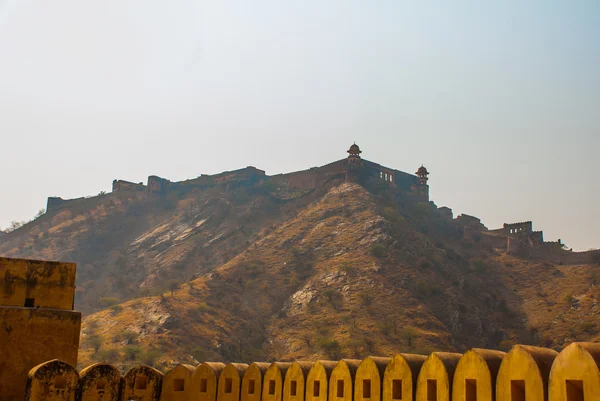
409 334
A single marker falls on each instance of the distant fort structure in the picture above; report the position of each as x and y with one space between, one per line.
351 169
515 238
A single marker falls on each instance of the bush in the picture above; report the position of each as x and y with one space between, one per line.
132 352
149 357
108 355
478 265
331 347
334 297
128 336
427 289
587 327
378 250
116 309
95 342
409 334
108 301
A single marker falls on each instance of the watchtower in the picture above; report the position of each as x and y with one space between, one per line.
37 321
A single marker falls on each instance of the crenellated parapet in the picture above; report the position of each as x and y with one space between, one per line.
526 373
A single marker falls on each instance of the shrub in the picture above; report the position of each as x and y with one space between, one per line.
478 265
128 336
108 355
408 334
95 342
132 352
378 250
595 258
427 289
149 357
108 301
366 298
116 309
587 327
331 347
334 298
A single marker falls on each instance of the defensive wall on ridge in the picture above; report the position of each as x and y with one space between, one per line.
525 373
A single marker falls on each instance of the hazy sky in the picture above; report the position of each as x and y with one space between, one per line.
501 102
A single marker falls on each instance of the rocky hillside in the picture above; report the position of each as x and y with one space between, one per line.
244 276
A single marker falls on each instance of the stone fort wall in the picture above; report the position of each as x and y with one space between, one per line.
525 373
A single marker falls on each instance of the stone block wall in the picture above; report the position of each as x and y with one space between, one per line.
526 373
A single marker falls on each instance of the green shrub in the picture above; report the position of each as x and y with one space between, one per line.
378 250
478 265
107 356
95 342
132 352
108 301
331 347
587 327
149 357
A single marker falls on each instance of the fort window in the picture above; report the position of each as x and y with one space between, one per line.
340 388
397 389
367 388
60 382
293 385
574 390
517 390
470 390
29 302
178 384
101 385
141 382
251 386
203 385
431 390
271 387
316 388
228 385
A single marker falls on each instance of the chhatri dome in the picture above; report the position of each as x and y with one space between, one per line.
422 171
354 150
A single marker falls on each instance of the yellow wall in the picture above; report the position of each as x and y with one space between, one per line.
436 376
142 383
369 378
475 375
341 381
524 367
295 381
400 377
317 381
29 337
230 382
176 384
252 381
99 382
575 371
204 381
50 284
51 381
273 381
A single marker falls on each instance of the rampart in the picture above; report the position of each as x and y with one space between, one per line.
525 373
55 203
37 322
122 185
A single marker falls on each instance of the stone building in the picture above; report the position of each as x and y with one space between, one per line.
37 321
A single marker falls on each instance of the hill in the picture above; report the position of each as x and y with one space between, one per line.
248 272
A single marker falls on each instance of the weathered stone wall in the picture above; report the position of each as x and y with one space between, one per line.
526 373
55 203
37 284
122 185
29 337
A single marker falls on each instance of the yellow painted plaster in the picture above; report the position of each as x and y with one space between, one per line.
99 382
574 375
317 381
51 381
400 377
204 381
230 382
273 381
369 378
341 381
295 381
252 381
435 378
176 385
524 370
475 375
142 383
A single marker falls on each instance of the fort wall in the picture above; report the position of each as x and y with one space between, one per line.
37 322
526 373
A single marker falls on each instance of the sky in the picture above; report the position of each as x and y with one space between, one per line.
499 100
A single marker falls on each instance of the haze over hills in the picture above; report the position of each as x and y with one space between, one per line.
343 260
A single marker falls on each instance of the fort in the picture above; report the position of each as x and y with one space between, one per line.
353 168
39 336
